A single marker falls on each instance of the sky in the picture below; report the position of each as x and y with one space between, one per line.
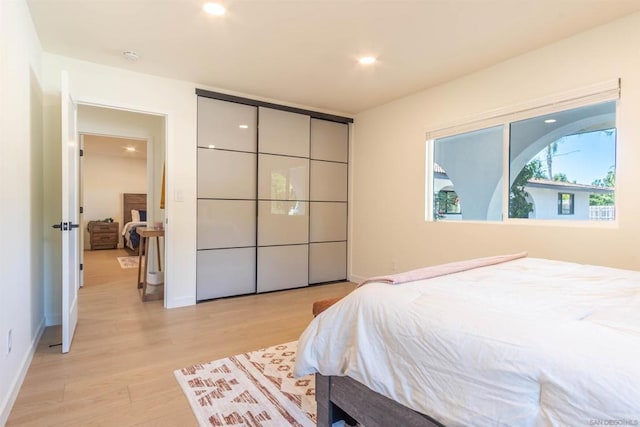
583 157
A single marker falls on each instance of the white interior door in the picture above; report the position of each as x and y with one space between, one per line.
80 232
70 213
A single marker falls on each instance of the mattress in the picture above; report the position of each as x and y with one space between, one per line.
530 342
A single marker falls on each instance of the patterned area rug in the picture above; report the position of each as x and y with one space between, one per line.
128 261
251 389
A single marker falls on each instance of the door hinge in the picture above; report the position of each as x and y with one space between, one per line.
81 267
81 209
81 152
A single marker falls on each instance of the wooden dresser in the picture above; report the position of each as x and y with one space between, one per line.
104 235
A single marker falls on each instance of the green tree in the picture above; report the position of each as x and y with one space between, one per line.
560 177
536 169
608 181
519 207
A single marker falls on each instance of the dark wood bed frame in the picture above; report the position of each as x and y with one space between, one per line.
137 201
343 398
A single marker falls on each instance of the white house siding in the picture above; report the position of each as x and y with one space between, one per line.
545 202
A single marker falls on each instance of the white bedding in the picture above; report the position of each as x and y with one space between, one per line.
530 342
125 232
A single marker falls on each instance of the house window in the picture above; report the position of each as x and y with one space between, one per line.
566 147
565 204
448 203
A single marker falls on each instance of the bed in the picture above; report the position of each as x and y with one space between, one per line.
528 342
133 204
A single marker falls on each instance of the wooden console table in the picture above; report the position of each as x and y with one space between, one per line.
146 234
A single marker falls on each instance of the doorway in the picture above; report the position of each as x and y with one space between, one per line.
110 167
123 154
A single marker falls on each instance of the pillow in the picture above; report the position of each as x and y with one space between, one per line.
143 215
135 215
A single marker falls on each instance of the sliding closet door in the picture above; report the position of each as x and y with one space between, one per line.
328 201
283 200
271 197
226 223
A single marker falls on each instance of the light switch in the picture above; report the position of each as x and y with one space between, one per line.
179 196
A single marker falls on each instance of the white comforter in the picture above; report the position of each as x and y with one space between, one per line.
530 342
125 232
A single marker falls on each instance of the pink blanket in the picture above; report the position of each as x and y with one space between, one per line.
443 269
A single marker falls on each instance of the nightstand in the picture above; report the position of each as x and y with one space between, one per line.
104 235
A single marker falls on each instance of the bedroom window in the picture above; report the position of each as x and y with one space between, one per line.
554 161
571 153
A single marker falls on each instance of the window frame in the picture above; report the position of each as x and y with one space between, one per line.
572 201
599 93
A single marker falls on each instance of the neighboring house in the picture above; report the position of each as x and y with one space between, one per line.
561 200
448 204
550 199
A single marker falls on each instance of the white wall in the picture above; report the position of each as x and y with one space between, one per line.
545 201
21 198
105 178
388 208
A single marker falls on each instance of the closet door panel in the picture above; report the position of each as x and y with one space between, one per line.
227 125
283 222
327 262
225 272
283 178
226 223
329 141
328 181
282 132
328 221
283 267
226 174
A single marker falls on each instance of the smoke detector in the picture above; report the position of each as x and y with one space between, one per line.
130 55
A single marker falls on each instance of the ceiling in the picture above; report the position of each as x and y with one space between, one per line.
303 52
117 147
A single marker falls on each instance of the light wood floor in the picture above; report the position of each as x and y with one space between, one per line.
120 368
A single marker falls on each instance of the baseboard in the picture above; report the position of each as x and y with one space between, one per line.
53 320
181 302
356 279
7 405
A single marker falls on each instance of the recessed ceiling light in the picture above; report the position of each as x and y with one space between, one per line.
243 126
550 121
131 55
215 9
367 60
131 148
211 146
